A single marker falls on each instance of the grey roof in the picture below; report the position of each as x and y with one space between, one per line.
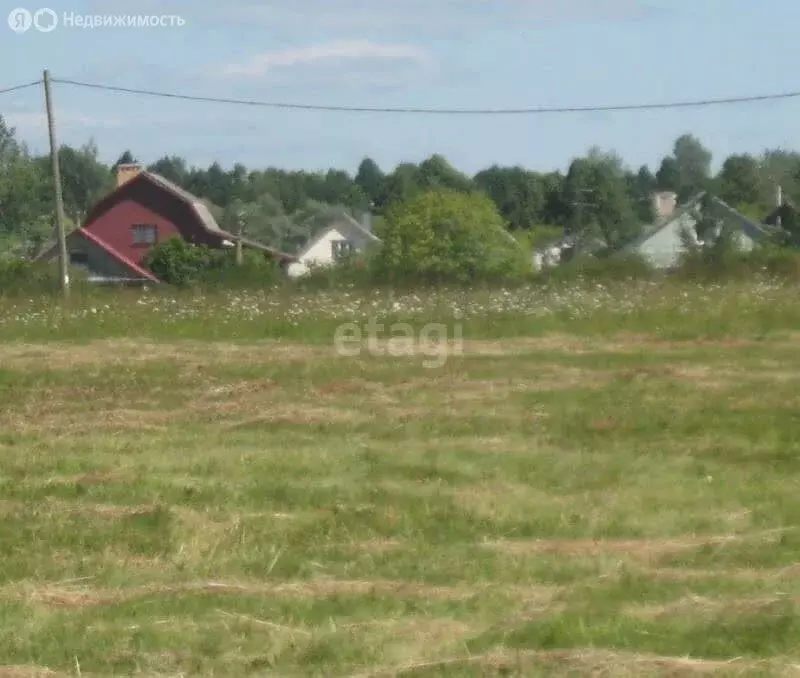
203 213
207 219
358 228
751 228
342 222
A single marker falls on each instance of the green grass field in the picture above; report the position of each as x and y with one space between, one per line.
573 495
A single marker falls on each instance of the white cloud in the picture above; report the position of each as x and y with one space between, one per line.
345 50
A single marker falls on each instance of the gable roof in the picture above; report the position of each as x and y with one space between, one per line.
751 228
203 214
121 258
343 222
108 249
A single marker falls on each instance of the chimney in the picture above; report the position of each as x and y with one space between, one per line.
366 221
126 172
665 203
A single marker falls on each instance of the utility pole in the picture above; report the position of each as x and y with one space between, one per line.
239 235
63 269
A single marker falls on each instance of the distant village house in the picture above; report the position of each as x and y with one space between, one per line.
143 210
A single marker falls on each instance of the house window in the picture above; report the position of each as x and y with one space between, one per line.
144 234
341 249
78 258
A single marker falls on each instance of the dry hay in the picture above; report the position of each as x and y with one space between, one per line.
594 662
84 596
644 550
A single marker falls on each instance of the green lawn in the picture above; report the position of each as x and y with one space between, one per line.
576 499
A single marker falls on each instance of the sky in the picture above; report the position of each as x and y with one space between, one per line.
408 53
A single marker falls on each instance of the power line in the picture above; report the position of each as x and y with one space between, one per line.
19 87
441 111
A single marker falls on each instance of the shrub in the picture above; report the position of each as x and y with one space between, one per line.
177 262
358 272
711 264
20 276
256 270
445 236
616 267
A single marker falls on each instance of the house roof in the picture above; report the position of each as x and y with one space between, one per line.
344 222
121 258
200 210
750 227
207 219
254 244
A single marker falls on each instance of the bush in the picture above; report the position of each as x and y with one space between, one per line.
711 265
20 276
444 236
255 272
358 272
177 262
182 264
614 268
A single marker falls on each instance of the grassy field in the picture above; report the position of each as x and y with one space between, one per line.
604 482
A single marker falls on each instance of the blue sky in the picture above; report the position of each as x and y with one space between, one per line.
421 53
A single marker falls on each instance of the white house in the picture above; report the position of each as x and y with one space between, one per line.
339 239
662 243
549 254
555 252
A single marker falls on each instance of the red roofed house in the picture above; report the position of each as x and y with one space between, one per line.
143 210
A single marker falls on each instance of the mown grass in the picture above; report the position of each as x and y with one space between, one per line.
581 503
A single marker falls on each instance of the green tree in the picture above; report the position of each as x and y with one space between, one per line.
738 181
520 195
369 179
693 162
596 192
668 177
641 187
779 167
400 185
84 178
437 173
445 235
338 188
171 167
26 203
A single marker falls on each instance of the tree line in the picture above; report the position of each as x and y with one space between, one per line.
598 194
